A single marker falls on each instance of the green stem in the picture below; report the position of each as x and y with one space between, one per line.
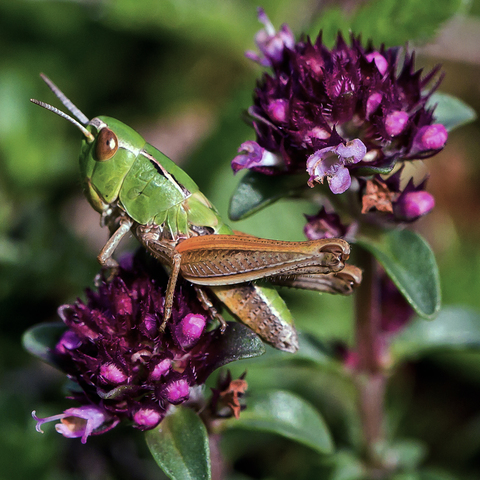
370 376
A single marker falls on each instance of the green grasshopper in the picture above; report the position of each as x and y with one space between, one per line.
137 189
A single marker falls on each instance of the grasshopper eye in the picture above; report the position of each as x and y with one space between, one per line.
107 145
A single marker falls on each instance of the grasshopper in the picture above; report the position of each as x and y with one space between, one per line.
137 189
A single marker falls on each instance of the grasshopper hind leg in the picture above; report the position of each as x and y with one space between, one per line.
170 293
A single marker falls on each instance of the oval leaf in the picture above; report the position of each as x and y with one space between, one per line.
288 415
256 191
180 446
454 328
40 340
410 263
451 111
237 342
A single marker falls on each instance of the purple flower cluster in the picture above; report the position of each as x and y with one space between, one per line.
338 114
124 366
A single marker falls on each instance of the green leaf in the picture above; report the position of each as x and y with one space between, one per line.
410 263
116 392
256 191
237 342
454 328
288 415
451 111
41 339
180 446
365 171
413 20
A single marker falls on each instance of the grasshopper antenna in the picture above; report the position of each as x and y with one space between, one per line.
75 111
89 135
68 104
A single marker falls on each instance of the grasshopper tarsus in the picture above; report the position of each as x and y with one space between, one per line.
166 317
207 304
223 323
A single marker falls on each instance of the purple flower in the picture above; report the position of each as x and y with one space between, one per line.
253 155
337 113
271 43
80 422
329 162
124 366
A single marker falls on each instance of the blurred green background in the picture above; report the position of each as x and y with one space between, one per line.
175 71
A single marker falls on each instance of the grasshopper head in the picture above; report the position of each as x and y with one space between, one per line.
106 160
108 151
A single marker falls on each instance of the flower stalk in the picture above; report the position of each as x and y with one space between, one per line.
370 375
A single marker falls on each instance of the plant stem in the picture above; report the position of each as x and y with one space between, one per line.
216 457
371 378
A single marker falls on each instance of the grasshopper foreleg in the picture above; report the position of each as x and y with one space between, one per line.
105 257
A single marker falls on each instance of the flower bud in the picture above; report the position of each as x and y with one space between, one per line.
160 369
176 391
190 329
277 110
147 418
433 137
380 61
123 302
68 341
112 374
413 205
150 324
373 102
395 123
